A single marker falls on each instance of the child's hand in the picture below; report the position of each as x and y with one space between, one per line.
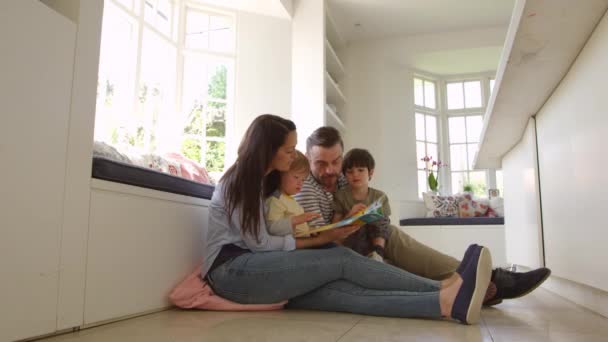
356 208
303 218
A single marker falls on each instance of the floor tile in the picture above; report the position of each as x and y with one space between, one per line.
415 330
182 326
540 316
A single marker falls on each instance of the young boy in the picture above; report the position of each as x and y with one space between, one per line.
284 215
358 168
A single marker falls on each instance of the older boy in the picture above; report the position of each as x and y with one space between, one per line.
358 168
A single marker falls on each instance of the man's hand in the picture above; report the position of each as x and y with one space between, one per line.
303 218
339 234
356 208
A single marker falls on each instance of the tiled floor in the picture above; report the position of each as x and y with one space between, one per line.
541 316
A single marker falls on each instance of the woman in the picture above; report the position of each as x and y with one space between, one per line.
245 264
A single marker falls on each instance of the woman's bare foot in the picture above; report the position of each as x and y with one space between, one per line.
447 294
451 279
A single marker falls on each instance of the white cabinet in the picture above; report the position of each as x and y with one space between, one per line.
454 240
523 235
141 243
36 85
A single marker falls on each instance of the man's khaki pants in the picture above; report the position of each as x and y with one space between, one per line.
405 252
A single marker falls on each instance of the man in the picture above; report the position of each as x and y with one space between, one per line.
324 149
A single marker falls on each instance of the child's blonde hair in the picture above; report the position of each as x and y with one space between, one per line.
300 163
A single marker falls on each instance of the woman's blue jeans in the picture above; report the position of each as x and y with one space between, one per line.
334 279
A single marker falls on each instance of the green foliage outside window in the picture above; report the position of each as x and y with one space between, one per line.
208 118
217 86
216 120
191 148
195 120
215 156
478 188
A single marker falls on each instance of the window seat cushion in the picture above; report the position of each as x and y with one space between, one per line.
114 171
451 221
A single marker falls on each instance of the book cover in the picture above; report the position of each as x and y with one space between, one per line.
371 214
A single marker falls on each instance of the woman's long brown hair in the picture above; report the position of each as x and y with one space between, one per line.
245 182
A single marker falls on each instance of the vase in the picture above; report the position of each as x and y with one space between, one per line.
433 184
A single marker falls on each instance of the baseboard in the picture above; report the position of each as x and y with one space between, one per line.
94 325
584 295
122 318
56 333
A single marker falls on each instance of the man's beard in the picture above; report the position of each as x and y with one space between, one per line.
329 180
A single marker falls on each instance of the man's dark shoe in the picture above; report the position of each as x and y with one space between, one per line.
511 285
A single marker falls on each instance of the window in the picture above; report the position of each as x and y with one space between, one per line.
462 95
452 128
426 145
424 93
464 132
492 82
464 129
164 85
427 138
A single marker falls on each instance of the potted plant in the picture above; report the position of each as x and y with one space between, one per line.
432 167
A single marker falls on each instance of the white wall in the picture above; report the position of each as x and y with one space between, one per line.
522 202
572 131
380 107
78 167
308 61
380 97
35 92
406 50
263 71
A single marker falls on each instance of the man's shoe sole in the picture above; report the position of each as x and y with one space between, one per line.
482 280
493 302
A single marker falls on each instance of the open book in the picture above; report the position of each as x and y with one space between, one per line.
371 214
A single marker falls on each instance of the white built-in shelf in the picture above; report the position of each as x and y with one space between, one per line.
331 32
332 119
332 62
542 42
334 74
333 93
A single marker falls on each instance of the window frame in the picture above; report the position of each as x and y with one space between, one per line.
425 79
228 57
427 111
465 109
175 38
466 143
443 115
463 112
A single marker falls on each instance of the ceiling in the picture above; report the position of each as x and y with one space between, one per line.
385 18
274 8
458 61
